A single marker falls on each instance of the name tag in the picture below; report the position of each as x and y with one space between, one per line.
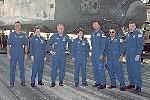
20 36
64 39
103 35
121 40
83 43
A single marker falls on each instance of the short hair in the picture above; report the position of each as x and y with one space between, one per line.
132 22
96 21
60 24
17 22
112 28
80 29
36 27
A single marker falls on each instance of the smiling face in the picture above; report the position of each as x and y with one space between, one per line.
112 33
80 34
132 27
60 28
96 25
17 27
37 31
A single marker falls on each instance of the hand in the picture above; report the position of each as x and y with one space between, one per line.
101 58
137 58
32 58
8 55
105 58
90 54
26 50
26 57
121 59
45 59
73 60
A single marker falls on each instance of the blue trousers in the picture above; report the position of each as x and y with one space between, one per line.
58 64
37 68
115 71
98 69
134 70
13 62
80 66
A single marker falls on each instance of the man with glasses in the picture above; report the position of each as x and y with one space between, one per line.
114 55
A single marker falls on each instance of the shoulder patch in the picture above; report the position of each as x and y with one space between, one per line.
98 34
139 35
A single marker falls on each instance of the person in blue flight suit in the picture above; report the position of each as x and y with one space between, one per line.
80 53
17 47
133 51
57 44
98 39
114 53
38 52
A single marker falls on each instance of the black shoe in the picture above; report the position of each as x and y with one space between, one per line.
104 85
23 83
122 88
53 84
111 87
61 83
130 86
101 87
32 84
138 89
76 84
40 83
11 85
95 85
84 84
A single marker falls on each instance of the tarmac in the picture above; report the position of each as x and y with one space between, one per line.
69 91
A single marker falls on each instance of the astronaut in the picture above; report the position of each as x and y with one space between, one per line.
38 52
80 53
98 39
17 47
133 51
114 55
58 44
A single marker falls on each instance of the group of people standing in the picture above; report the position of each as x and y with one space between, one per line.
106 50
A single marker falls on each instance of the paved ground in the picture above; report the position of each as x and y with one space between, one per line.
68 92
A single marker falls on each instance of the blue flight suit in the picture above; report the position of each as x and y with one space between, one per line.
80 52
98 39
38 51
113 52
134 47
17 42
58 45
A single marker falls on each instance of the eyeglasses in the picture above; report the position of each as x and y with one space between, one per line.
111 32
